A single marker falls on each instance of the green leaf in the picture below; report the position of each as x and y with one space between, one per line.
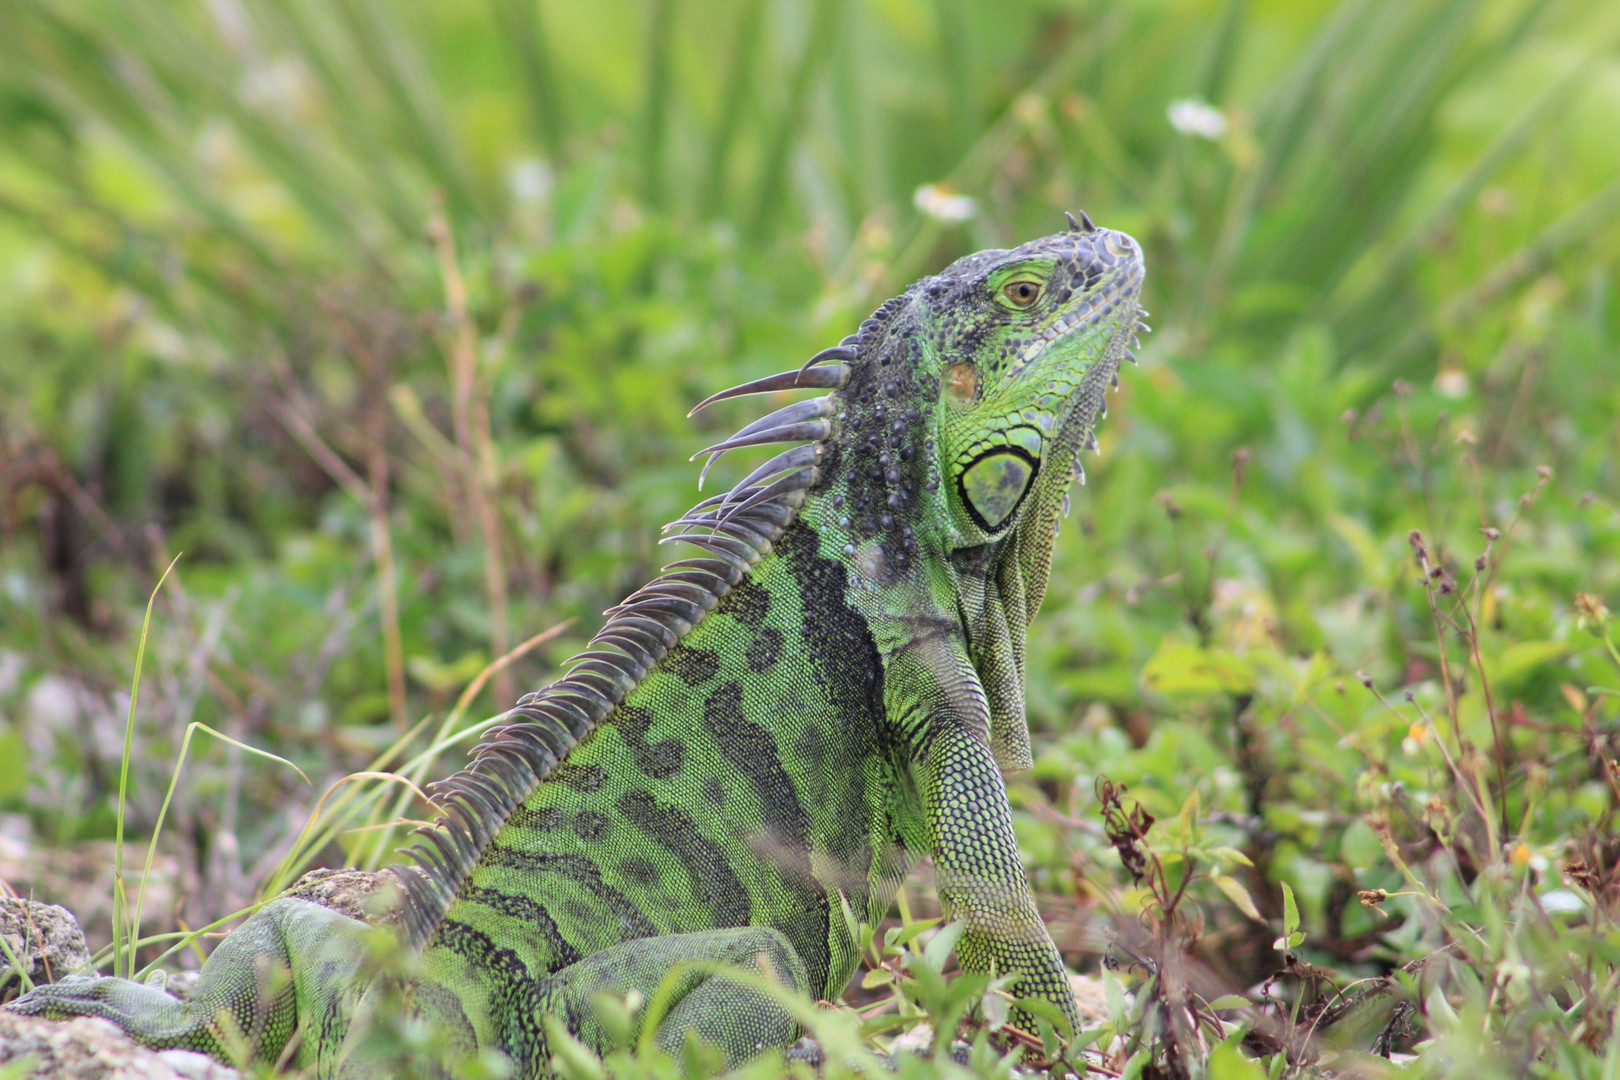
1187 818
940 946
1290 910
13 764
911 931
1231 1001
1359 846
1238 894
1227 1062
926 984
884 1023
617 1021
1116 683
995 1009
1114 994
1523 658
1229 855
851 923
571 1058
1181 669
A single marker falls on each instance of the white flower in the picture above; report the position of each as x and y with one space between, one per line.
275 86
1561 900
1451 382
942 204
529 180
1190 116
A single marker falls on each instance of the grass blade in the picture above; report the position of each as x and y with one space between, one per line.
522 29
163 811
737 93
656 101
780 145
120 894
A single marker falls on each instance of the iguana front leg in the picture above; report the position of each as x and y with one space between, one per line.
291 972
933 694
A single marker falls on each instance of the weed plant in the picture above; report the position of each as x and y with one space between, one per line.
387 316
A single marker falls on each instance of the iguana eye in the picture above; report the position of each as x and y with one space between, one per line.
1021 293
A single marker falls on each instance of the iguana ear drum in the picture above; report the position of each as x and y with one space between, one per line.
995 482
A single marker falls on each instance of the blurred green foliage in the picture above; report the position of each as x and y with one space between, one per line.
388 314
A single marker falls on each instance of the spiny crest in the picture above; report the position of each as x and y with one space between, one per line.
733 531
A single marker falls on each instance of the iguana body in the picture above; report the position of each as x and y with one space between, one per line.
828 693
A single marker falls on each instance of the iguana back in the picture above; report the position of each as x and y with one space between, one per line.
745 780
827 692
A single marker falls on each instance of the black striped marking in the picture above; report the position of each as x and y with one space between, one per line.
659 760
591 826
526 910
747 602
640 870
540 819
585 778
752 750
766 648
691 665
581 871
479 950
844 656
717 883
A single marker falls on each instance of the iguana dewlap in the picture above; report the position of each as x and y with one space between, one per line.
829 691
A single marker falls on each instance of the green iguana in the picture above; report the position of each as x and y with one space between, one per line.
781 725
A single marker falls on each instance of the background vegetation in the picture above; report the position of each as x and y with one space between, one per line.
387 315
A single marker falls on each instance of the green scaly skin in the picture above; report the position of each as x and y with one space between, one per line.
830 692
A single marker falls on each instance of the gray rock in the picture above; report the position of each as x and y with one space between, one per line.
370 896
194 1066
88 1048
43 938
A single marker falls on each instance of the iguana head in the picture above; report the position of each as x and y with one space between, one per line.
966 401
1025 343
959 409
